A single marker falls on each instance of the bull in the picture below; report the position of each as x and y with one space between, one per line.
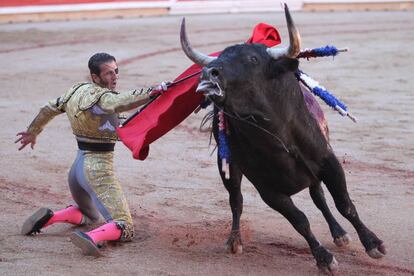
275 141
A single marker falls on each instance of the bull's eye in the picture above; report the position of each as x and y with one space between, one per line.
253 60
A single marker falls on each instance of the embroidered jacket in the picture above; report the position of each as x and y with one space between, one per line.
93 111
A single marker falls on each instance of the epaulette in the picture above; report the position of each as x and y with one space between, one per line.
92 96
61 101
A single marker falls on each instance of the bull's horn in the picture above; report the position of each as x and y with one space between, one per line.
294 40
195 56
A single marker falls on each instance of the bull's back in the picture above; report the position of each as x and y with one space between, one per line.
316 111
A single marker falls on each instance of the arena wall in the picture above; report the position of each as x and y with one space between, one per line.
51 10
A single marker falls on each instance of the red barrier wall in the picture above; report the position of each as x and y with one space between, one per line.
20 3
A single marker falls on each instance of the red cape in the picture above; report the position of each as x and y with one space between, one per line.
177 103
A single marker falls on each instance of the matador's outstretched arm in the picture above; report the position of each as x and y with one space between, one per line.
45 115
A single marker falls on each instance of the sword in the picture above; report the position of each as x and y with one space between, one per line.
168 84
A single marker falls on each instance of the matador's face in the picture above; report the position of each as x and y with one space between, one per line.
108 76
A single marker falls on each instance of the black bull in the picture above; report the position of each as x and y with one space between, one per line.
275 141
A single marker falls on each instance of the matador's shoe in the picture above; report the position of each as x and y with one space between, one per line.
85 243
35 222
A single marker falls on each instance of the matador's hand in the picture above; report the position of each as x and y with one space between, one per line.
25 139
159 89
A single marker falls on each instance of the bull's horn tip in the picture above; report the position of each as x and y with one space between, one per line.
183 22
183 26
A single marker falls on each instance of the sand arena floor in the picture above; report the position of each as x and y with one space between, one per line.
179 204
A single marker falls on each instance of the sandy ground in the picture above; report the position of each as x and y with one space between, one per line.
179 205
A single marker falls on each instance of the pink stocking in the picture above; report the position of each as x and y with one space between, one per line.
70 214
106 232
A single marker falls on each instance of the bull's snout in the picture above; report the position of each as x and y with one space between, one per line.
209 82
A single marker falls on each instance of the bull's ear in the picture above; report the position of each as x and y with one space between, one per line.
282 65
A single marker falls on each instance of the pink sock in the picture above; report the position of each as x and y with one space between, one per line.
107 232
69 215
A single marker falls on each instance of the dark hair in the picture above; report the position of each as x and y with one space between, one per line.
96 60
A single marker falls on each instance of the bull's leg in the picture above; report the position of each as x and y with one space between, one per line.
284 204
339 235
334 178
234 243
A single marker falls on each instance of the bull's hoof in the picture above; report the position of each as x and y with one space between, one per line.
377 253
325 261
330 269
234 243
234 248
343 240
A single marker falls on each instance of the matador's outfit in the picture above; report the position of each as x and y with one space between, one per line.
93 115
